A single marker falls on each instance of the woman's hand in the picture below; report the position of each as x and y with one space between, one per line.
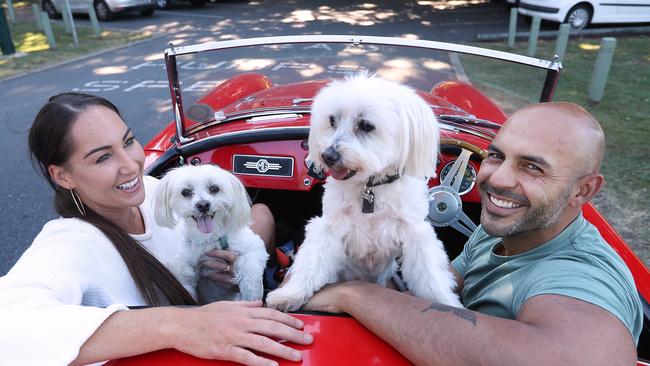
222 264
230 330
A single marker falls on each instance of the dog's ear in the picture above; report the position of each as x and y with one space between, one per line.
240 212
421 140
162 207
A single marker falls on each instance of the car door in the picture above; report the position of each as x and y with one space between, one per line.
633 10
79 6
604 11
61 3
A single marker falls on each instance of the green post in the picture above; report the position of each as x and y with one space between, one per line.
512 30
37 16
601 70
66 19
72 30
93 20
6 43
534 34
47 26
10 10
562 41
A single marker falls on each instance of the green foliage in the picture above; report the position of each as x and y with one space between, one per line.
33 50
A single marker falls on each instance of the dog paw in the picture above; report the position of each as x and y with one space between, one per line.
285 300
252 293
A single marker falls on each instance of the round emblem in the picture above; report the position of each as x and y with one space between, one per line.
262 166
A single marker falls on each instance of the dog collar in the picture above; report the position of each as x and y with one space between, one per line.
368 194
223 242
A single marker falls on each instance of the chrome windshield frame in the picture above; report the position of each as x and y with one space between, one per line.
552 67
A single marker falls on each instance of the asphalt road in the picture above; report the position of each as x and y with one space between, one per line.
135 79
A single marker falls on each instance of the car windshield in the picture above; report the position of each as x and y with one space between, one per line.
511 81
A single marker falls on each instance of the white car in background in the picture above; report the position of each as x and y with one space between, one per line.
105 9
581 13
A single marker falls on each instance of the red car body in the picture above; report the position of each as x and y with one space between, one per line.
338 339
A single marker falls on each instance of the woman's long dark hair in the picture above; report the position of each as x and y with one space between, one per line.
50 142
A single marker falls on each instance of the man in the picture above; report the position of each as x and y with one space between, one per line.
539 283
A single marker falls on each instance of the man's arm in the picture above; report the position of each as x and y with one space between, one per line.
550 329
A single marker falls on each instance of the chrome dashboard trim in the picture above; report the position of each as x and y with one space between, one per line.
248 115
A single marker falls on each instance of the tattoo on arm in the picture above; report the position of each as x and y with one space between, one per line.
465 314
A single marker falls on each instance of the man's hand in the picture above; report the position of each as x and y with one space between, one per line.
331 298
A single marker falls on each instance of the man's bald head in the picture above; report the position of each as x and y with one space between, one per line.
541 168
573 130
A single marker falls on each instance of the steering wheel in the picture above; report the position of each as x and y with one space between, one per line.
445 204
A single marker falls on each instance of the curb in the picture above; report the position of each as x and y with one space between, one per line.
458 68
582 33
90 55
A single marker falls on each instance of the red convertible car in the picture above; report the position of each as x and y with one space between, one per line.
245 105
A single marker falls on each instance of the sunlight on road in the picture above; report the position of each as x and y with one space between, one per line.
398 69
365 16
312 71
163 106
410 36
111 70
250 64
154 57
436 65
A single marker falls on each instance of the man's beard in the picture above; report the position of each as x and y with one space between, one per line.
537 219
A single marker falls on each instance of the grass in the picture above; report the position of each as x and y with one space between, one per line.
624 114
33 51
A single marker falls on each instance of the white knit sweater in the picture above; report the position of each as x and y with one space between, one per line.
66 284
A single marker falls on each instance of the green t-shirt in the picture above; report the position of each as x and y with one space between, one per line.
576 263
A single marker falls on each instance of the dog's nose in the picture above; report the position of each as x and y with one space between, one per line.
203 206
330 156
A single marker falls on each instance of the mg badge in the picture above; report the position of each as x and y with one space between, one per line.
262 165
270 166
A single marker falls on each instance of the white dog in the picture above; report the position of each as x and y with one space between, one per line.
379 141
213 211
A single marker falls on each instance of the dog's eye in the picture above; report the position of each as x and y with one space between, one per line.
214 189
365 126
186 193
332 121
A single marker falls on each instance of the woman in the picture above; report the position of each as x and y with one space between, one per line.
65 301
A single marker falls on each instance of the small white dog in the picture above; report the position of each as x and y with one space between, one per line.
213 211
379 142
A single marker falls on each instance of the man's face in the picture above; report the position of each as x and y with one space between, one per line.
527 179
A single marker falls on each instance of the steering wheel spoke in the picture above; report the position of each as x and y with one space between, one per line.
445 203
457 172
464 224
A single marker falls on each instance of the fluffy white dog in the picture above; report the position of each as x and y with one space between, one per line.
378 140
213 211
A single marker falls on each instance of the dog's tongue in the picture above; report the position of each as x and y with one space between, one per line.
204 223
339 173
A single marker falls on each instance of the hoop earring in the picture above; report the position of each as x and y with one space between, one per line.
78 203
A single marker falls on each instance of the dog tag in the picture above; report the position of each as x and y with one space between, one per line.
314 170
368 204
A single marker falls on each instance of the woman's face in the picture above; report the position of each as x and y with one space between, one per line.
106 165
